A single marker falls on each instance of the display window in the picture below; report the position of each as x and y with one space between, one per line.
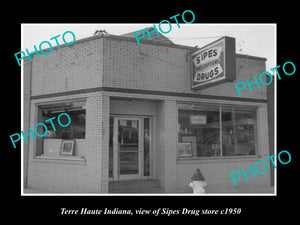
216 131
53 143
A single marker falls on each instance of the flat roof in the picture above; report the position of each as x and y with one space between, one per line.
152 42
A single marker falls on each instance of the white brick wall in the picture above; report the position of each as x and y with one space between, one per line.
104 62
70 176
163 68
74 67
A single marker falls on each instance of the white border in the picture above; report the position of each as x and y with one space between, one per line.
163 194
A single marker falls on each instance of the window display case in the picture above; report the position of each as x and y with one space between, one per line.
217 131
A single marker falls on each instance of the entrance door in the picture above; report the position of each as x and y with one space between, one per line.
127 148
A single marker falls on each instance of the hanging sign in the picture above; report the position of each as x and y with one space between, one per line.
214 63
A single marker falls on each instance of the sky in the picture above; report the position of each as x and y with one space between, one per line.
251 39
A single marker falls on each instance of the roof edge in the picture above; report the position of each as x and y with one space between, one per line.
152 42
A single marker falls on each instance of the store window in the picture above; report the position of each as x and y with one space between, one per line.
216 131
72 136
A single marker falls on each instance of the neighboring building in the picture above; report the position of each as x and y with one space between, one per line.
135 117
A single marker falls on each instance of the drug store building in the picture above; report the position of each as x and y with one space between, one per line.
139 113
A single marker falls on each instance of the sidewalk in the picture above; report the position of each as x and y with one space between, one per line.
209 190
240 189
30 191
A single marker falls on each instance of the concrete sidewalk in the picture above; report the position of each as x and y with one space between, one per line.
209 190
246 189
30 191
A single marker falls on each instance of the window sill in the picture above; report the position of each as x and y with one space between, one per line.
190 160
78 160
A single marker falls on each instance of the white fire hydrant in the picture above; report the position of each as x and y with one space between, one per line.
198 182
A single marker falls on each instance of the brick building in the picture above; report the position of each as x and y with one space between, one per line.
135 117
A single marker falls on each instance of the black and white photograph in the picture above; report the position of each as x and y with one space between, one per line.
147 110
166 114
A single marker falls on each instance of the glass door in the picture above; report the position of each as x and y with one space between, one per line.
128 145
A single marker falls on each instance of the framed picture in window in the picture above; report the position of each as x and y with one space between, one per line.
184 149
67 147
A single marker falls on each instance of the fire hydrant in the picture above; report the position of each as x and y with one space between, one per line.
198 182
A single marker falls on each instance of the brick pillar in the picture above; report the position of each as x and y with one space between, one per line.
167 142
97 136
105 143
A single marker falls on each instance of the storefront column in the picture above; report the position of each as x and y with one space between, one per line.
97 143
167 140
105 143
263 138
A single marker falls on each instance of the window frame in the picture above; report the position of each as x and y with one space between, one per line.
77 159
255 108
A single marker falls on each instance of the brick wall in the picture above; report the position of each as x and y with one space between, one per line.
166 68
119 63
217 171
67 176
74 67
246 68
111 62
71 68
162 68
217 175
167 145
174 174
133 107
